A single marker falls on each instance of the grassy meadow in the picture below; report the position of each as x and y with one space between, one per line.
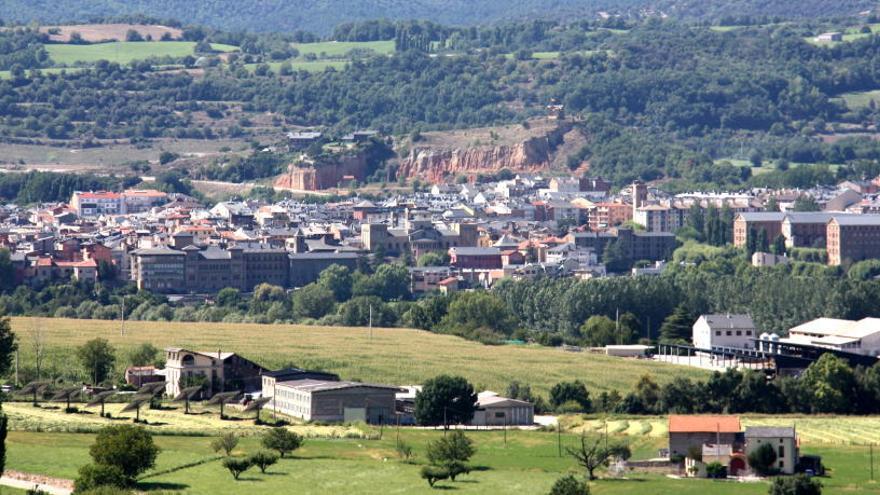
527 463
124 52
394 356
860 99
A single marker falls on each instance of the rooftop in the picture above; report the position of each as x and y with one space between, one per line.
702 424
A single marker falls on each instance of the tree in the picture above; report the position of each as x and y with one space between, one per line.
677 328
805 203
471 312
798 484
575 391
145 355
97 357
452 453
338 280
763 459
228 297
225 443
133 35
433 474
389 282
263 459
236 465
595 452
569 485
433 258
127 447
312 301
282 440
4 425
762 244
93 476
772 205
831 383
8 345
615 256
778 246
445 400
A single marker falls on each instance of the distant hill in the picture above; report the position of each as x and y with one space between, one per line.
321 16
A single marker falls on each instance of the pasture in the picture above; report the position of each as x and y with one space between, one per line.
341 49
393 355
860 99
527 462
124 52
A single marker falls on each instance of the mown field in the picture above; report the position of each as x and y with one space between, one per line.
124 52
812 430
527 463
861 99
394 356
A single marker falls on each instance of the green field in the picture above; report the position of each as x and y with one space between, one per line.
340 49
395 356
528 463
861 99
770 165
124 52
849 34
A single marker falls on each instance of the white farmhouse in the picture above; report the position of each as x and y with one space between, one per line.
724 331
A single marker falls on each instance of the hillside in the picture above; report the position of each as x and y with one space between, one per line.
394 356
322 16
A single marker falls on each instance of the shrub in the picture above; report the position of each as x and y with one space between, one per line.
796 485
225 443
456 468
434 474
716 470
263 459
106 490
129 448
569 485
404 451
455 447
92 476
282 440
237 465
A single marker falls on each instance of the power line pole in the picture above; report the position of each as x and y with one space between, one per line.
558 437
371 322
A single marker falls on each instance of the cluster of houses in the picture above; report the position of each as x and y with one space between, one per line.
522 227
310 395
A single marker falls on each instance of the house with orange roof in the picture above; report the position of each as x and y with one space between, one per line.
688 433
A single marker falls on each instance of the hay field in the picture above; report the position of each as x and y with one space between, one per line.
124 52
393 356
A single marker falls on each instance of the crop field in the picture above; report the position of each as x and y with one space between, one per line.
340 49
395 356
813 430
95 33
124 52
520 462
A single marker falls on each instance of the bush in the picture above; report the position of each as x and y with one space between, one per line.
456 468
569 485
129 448
92 476
282 440
263 459
404 451
106 490
449 449
237 465
434 474
225 443
716 470
796 485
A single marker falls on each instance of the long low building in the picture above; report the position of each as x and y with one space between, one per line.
858 337
333 401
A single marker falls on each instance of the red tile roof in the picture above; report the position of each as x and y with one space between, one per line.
702 424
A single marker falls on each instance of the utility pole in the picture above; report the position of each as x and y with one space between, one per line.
122 313
16 368
371 322
558 437
872 461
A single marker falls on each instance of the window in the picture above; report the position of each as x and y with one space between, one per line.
718 333
781 453
729 333
739 333
499 414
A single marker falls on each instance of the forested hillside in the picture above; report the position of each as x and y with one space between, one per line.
322 16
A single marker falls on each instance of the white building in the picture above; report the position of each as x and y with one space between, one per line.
724 331
494 410
860 337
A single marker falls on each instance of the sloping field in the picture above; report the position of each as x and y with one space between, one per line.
94 33
124 52
394 356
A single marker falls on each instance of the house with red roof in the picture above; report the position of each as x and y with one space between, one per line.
689 433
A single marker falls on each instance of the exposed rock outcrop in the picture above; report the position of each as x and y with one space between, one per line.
440 165
314 177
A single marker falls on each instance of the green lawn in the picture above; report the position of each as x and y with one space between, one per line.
528 463
861 99
339 49
770 165
124 52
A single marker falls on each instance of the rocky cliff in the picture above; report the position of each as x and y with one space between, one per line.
437 165
314 177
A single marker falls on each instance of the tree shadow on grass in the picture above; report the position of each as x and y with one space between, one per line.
269 473
149 486
605 480
250 479
444 487
481 468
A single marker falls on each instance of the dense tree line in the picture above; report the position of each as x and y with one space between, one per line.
23 48
38 187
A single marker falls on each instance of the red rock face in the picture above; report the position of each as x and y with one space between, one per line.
323 176
442 165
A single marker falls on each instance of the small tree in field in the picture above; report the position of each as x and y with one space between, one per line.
225 443
594 453
569 485
128 447
433 474
236 465
263 459
455 447
282 440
